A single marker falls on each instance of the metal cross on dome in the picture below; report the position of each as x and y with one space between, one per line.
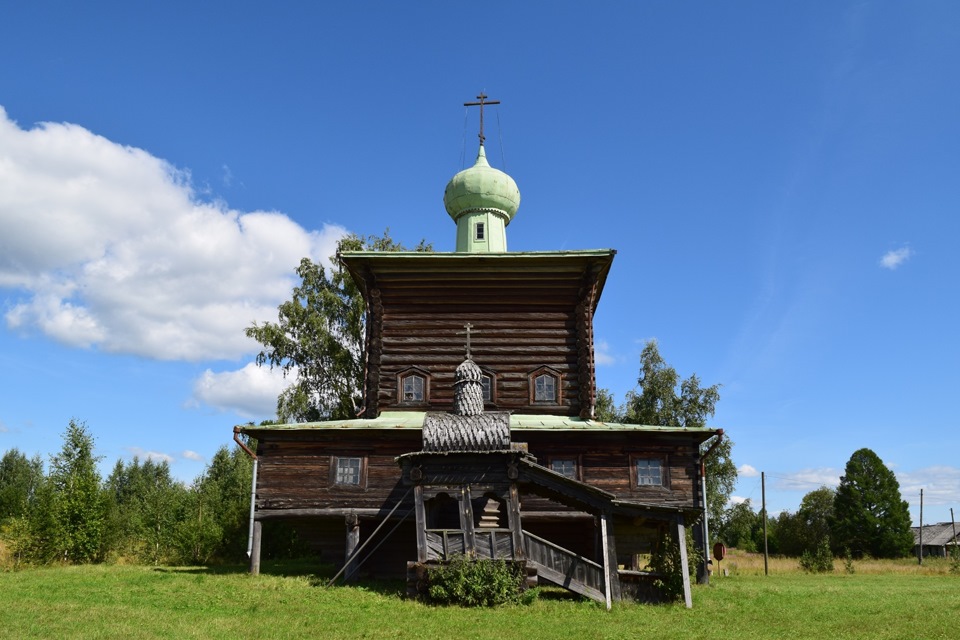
467 328
482 101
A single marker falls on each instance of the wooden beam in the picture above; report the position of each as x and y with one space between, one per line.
421 515
684 564
353 540
611 579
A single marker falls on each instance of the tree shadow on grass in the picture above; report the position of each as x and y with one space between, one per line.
311 567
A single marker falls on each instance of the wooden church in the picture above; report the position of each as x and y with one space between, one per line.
477 435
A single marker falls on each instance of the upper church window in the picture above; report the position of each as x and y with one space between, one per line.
413 386
544 386
481 231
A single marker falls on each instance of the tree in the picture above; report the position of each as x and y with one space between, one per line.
145 504
605 408
815 513
319 337
869 516
739 527
659 403
20 477
216 515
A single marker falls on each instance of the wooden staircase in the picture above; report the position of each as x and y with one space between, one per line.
564 568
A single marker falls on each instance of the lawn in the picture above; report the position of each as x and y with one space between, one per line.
905 601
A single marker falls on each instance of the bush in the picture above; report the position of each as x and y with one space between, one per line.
480 583
666 560
821 561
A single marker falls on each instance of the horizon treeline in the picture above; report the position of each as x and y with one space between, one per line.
138 514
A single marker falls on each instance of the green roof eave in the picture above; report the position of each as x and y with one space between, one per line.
521 422
390 420
453 255
386 420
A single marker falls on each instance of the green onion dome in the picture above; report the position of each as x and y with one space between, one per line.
481 188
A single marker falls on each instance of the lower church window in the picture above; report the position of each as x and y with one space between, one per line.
649 472
564 466
348 471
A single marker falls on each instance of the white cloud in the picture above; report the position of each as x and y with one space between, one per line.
156 456
110 247
250 392
734 500
807 480
747 471
602 355
894 258
940 484
192 455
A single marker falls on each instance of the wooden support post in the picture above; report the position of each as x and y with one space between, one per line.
684 563
421 515
466 522
611 577
353 540
513 519
255 548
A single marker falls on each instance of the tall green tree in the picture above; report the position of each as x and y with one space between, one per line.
144 507
20 477
216 516
319 337
869 515
663 399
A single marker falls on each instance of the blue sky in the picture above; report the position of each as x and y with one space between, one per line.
780 181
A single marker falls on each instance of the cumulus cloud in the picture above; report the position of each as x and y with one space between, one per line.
896 257
107 246
250 392
747 471
735 500
602 355
156 456
192 455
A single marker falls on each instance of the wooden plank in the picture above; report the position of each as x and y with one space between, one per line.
682 541
421 520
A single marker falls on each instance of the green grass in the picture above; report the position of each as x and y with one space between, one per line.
144 602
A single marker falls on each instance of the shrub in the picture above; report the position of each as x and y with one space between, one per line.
848 561
955 560
666 560
820 561
480 583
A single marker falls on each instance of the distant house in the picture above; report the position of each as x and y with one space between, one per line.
939 540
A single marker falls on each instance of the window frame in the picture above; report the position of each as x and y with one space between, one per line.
577 466
662 459
361 472
492 376
480 231
401 381
557 386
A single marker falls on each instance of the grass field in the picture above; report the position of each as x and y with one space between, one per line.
879 600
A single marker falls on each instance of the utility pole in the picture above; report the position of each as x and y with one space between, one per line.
763 494
920 549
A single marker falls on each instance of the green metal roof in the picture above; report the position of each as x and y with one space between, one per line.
518 422
451 255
